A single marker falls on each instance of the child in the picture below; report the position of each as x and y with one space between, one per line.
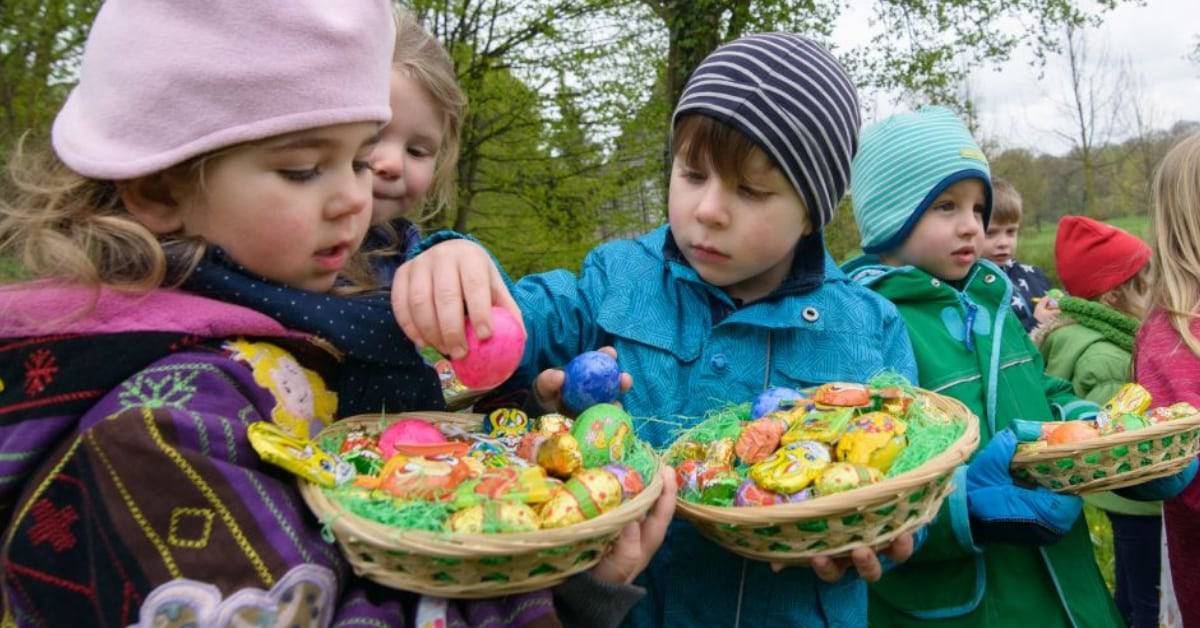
1000 245
222 148
998 554
735 295
417 152
1106 272
1166 356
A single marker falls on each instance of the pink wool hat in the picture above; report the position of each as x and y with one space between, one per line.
163 81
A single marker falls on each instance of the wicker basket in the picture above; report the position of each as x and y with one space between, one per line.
468 565
1113 461
871 516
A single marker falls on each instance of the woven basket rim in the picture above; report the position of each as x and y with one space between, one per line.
456 545
1070 450
857 499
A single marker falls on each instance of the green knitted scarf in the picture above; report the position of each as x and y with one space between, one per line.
1116 327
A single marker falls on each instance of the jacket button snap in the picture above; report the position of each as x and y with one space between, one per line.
810 314
935 283
719 362
989 278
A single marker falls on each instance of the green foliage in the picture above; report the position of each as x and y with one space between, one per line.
40 45
10 270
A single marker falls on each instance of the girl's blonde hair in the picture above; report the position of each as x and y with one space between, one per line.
62 225
1131 297
420 57
1175 234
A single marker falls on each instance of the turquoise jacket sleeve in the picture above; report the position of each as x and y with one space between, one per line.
560 311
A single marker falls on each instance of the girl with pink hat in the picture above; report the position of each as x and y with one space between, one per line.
195 231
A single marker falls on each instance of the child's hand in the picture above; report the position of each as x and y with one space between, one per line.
547 388
864 560
430 290
1046 310
638 541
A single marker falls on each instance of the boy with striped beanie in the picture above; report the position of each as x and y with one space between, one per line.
998 554
736 294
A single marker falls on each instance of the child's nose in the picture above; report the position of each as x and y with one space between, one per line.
388 161
712 209
352 196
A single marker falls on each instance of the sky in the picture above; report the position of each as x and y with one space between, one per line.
1017 108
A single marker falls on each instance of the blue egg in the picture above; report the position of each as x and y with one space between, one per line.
770 400
592 378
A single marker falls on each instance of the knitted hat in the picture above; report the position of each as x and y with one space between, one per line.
791 98
1093 258
163 81
906 162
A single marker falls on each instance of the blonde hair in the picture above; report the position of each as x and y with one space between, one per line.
62 225
1175 235
1006 202
1131 297
420 57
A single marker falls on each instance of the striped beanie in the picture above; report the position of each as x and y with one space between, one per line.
791 98
906 162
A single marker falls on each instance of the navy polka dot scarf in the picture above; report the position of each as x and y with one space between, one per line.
381 368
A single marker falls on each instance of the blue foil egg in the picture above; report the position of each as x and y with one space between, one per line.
771 399
591 378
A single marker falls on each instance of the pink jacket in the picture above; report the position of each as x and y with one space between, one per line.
1171 372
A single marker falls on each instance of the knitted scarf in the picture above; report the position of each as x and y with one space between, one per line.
1116 327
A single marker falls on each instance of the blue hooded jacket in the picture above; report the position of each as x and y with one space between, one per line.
690 347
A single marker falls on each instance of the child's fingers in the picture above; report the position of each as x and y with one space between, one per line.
400 307
547 388
626 382
828 569
448 308
867 564
474 274
420 304
901 548
503 298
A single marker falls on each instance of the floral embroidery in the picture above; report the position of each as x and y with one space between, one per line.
40 369
303 405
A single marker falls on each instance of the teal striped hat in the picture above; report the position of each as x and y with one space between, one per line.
903 164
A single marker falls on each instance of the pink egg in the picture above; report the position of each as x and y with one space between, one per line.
489 362
408 432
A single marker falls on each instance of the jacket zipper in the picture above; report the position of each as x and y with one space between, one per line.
968 338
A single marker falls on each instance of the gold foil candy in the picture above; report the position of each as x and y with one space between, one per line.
844 476
587 495
792 468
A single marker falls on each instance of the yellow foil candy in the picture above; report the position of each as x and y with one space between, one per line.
844 476
560 455
298 455
874 439
587 495
792 468
495 516
824 427
1131 398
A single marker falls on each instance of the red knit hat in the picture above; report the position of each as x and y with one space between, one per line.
1093 258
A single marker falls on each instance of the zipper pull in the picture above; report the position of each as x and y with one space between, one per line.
969 325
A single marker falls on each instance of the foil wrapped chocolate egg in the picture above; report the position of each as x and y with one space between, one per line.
759 439
844 476
792 468
631 481
587 495
494 517
605 435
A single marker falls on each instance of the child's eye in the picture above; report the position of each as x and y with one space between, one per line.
752 193
693 175
299 174
362 165
420 152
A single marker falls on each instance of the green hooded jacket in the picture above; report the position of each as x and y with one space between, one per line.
969 346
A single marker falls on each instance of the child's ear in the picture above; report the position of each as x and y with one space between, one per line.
150 201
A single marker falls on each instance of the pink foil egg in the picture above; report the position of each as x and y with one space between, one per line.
489 362
408 432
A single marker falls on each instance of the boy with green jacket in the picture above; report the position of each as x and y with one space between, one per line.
998 554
